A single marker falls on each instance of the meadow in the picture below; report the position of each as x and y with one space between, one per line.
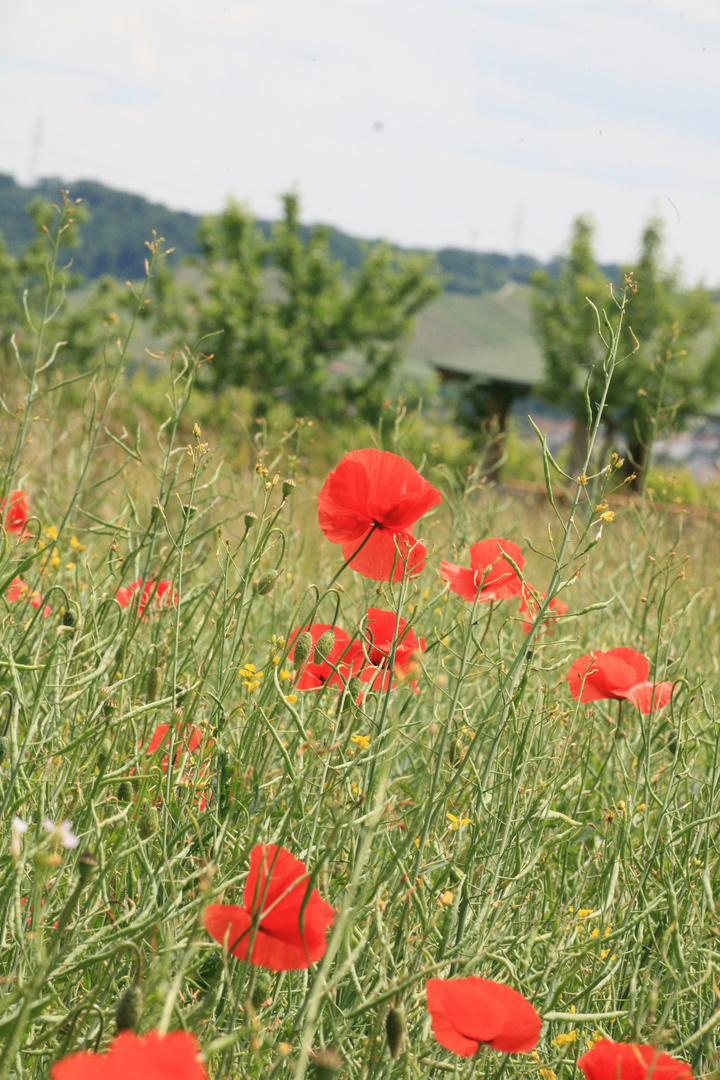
277 776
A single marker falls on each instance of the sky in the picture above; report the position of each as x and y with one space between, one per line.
484 124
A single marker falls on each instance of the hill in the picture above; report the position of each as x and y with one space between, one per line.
112 241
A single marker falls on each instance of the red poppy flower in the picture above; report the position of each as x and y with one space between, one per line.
160 592
313 675
147 1057
287 927
469 1012
18 590
375 489
381 631
617 674
529 605
492 577
627 1061
189 741
17 512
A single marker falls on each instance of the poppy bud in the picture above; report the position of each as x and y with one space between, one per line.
303 645
354 687
105 750
148 822
395 1025
261 989
69 618
4 747
288 487
250 519
129 1009
87 865
323 646
153 684
265 584
125 791
327 1062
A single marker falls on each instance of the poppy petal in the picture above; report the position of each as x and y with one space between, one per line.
484 1011
461 581
385 551
634 659
152 1056
601 676
627 1061
647 697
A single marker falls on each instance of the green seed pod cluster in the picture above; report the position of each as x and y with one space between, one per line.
152 689
129 1009
323 646
148 822
395 1027
265 583
303 645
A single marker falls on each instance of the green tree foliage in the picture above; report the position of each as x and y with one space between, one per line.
285 320
671 369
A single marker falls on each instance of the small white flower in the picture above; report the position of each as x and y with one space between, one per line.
18 828
61 834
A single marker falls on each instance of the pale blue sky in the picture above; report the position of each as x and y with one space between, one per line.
476 123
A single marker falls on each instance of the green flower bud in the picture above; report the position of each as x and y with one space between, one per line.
323 646
266 583
125 791
87 865
288 487
152 690
303 645
354 687
69 618
261 989
327 1062
395 1026
148 822
129 1009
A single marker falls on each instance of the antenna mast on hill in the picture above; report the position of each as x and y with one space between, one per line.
35 148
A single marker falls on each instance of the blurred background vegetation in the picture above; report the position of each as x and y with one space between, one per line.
306 321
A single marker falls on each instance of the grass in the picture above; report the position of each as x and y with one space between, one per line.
585 874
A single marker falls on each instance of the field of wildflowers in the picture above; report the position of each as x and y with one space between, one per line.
362 774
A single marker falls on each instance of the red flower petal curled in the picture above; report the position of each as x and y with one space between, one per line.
374 489
469 1012
147 1057
628 1061
290 926
491 576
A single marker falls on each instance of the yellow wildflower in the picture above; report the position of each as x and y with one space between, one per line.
566 1038
456 822
291 698
447 898
548 1074
284 675
361 741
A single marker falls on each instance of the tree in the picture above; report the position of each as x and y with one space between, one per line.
291 325
671 377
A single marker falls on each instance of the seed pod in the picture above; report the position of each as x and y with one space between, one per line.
288 487
129 1009
266 583
323 646
69 618
87 866
105 750
125 791
155 512
354 687
250 519
4 747
152 690
303 645
395 1026
261 989
327 1062
148 822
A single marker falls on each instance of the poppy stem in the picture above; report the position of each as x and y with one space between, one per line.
618 728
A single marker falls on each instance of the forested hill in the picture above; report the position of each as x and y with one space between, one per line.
112 240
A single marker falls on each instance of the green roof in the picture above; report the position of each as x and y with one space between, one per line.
487 336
